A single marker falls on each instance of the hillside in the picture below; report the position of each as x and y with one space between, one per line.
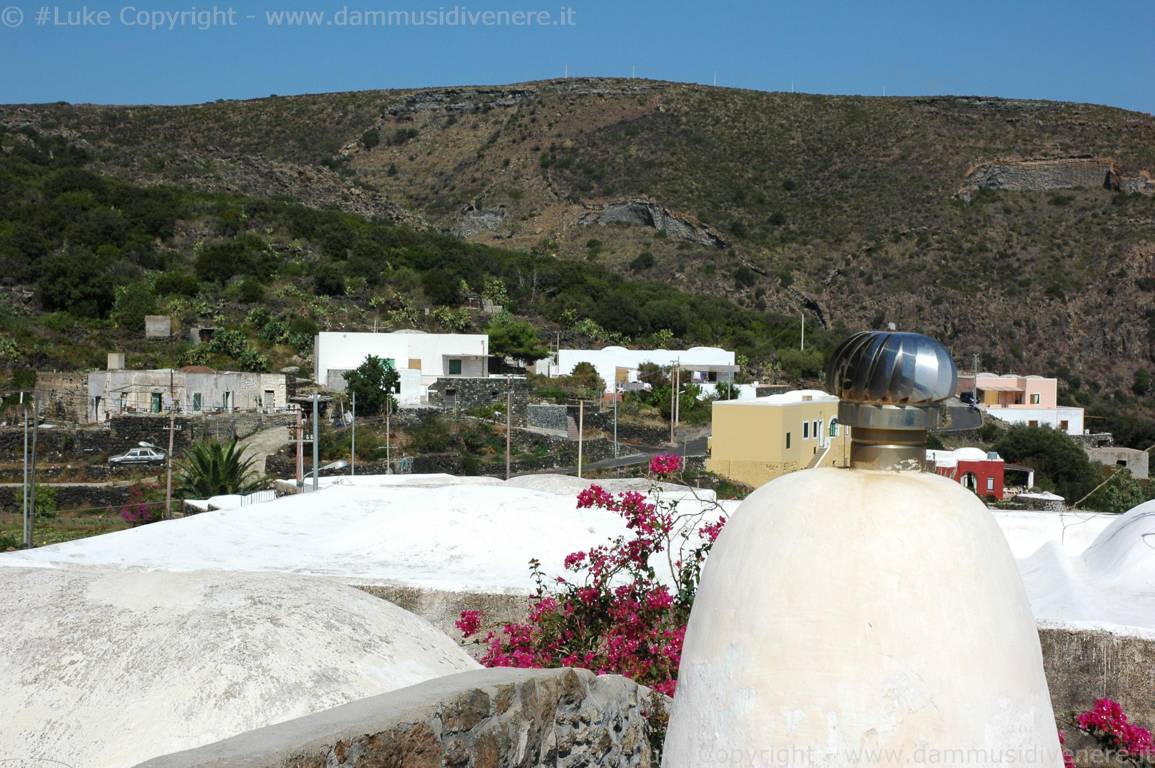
982 221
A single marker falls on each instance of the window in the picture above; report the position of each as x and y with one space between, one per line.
990 483
454 367
834 427
806 430
816 430
198 401
415 363
1032 423
787 441
1065 425
1036 399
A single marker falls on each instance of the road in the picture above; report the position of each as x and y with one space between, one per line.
691 449
261 445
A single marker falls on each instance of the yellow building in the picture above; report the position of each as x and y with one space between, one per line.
755 441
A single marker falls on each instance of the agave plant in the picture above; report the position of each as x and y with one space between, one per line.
211 468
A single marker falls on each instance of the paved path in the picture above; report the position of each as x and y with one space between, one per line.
260 445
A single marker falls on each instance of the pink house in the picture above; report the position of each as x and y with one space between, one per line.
1030 400
1011 390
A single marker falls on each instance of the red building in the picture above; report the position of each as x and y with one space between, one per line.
972 468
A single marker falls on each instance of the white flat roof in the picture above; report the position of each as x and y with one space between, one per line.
793 397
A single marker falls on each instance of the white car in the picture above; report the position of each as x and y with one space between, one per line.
147 456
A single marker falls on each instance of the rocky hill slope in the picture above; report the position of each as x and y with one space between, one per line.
1021 230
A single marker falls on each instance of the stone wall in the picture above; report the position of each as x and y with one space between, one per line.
76 496
443 608
465 393
63 396
548 417
1084 664
483 719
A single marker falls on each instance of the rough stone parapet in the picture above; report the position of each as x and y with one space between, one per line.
485 719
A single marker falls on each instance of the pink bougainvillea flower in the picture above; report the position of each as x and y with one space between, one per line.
469 623
665 464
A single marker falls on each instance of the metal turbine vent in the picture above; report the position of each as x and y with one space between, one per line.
892 389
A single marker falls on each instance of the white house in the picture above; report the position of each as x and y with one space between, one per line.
618 366
420 358
1065 418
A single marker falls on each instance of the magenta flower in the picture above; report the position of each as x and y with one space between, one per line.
665 464
469 623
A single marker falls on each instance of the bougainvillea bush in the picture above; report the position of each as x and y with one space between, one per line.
622 606
1108 724
137 511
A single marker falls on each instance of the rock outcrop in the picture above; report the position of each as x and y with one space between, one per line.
1047 174
484 719
647 213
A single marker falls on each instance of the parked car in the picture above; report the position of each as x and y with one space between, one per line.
136 456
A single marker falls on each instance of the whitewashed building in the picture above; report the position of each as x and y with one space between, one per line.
618 366
193 389
420 358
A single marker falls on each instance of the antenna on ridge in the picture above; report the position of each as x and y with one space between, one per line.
633 71
567 71
715 78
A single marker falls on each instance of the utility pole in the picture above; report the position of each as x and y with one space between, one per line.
802 345
388 408
353 442
673 399
975 384
617 396
581 433
171 432
316 440
300 448
508 423
24 505
32 479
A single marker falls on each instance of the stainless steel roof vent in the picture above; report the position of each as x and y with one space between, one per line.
894 388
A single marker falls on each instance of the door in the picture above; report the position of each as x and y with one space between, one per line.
270 401
156 403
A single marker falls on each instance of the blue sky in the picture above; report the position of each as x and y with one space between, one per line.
1099 53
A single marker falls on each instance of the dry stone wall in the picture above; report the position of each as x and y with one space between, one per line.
492 718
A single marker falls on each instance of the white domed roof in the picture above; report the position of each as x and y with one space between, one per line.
109 668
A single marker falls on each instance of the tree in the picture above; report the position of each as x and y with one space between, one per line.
585 380
1057 458
1141 385
1118 494
211 468
510 337
800 364
76 282
133 302
374 382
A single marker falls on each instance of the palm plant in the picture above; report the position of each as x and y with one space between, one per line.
212 469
